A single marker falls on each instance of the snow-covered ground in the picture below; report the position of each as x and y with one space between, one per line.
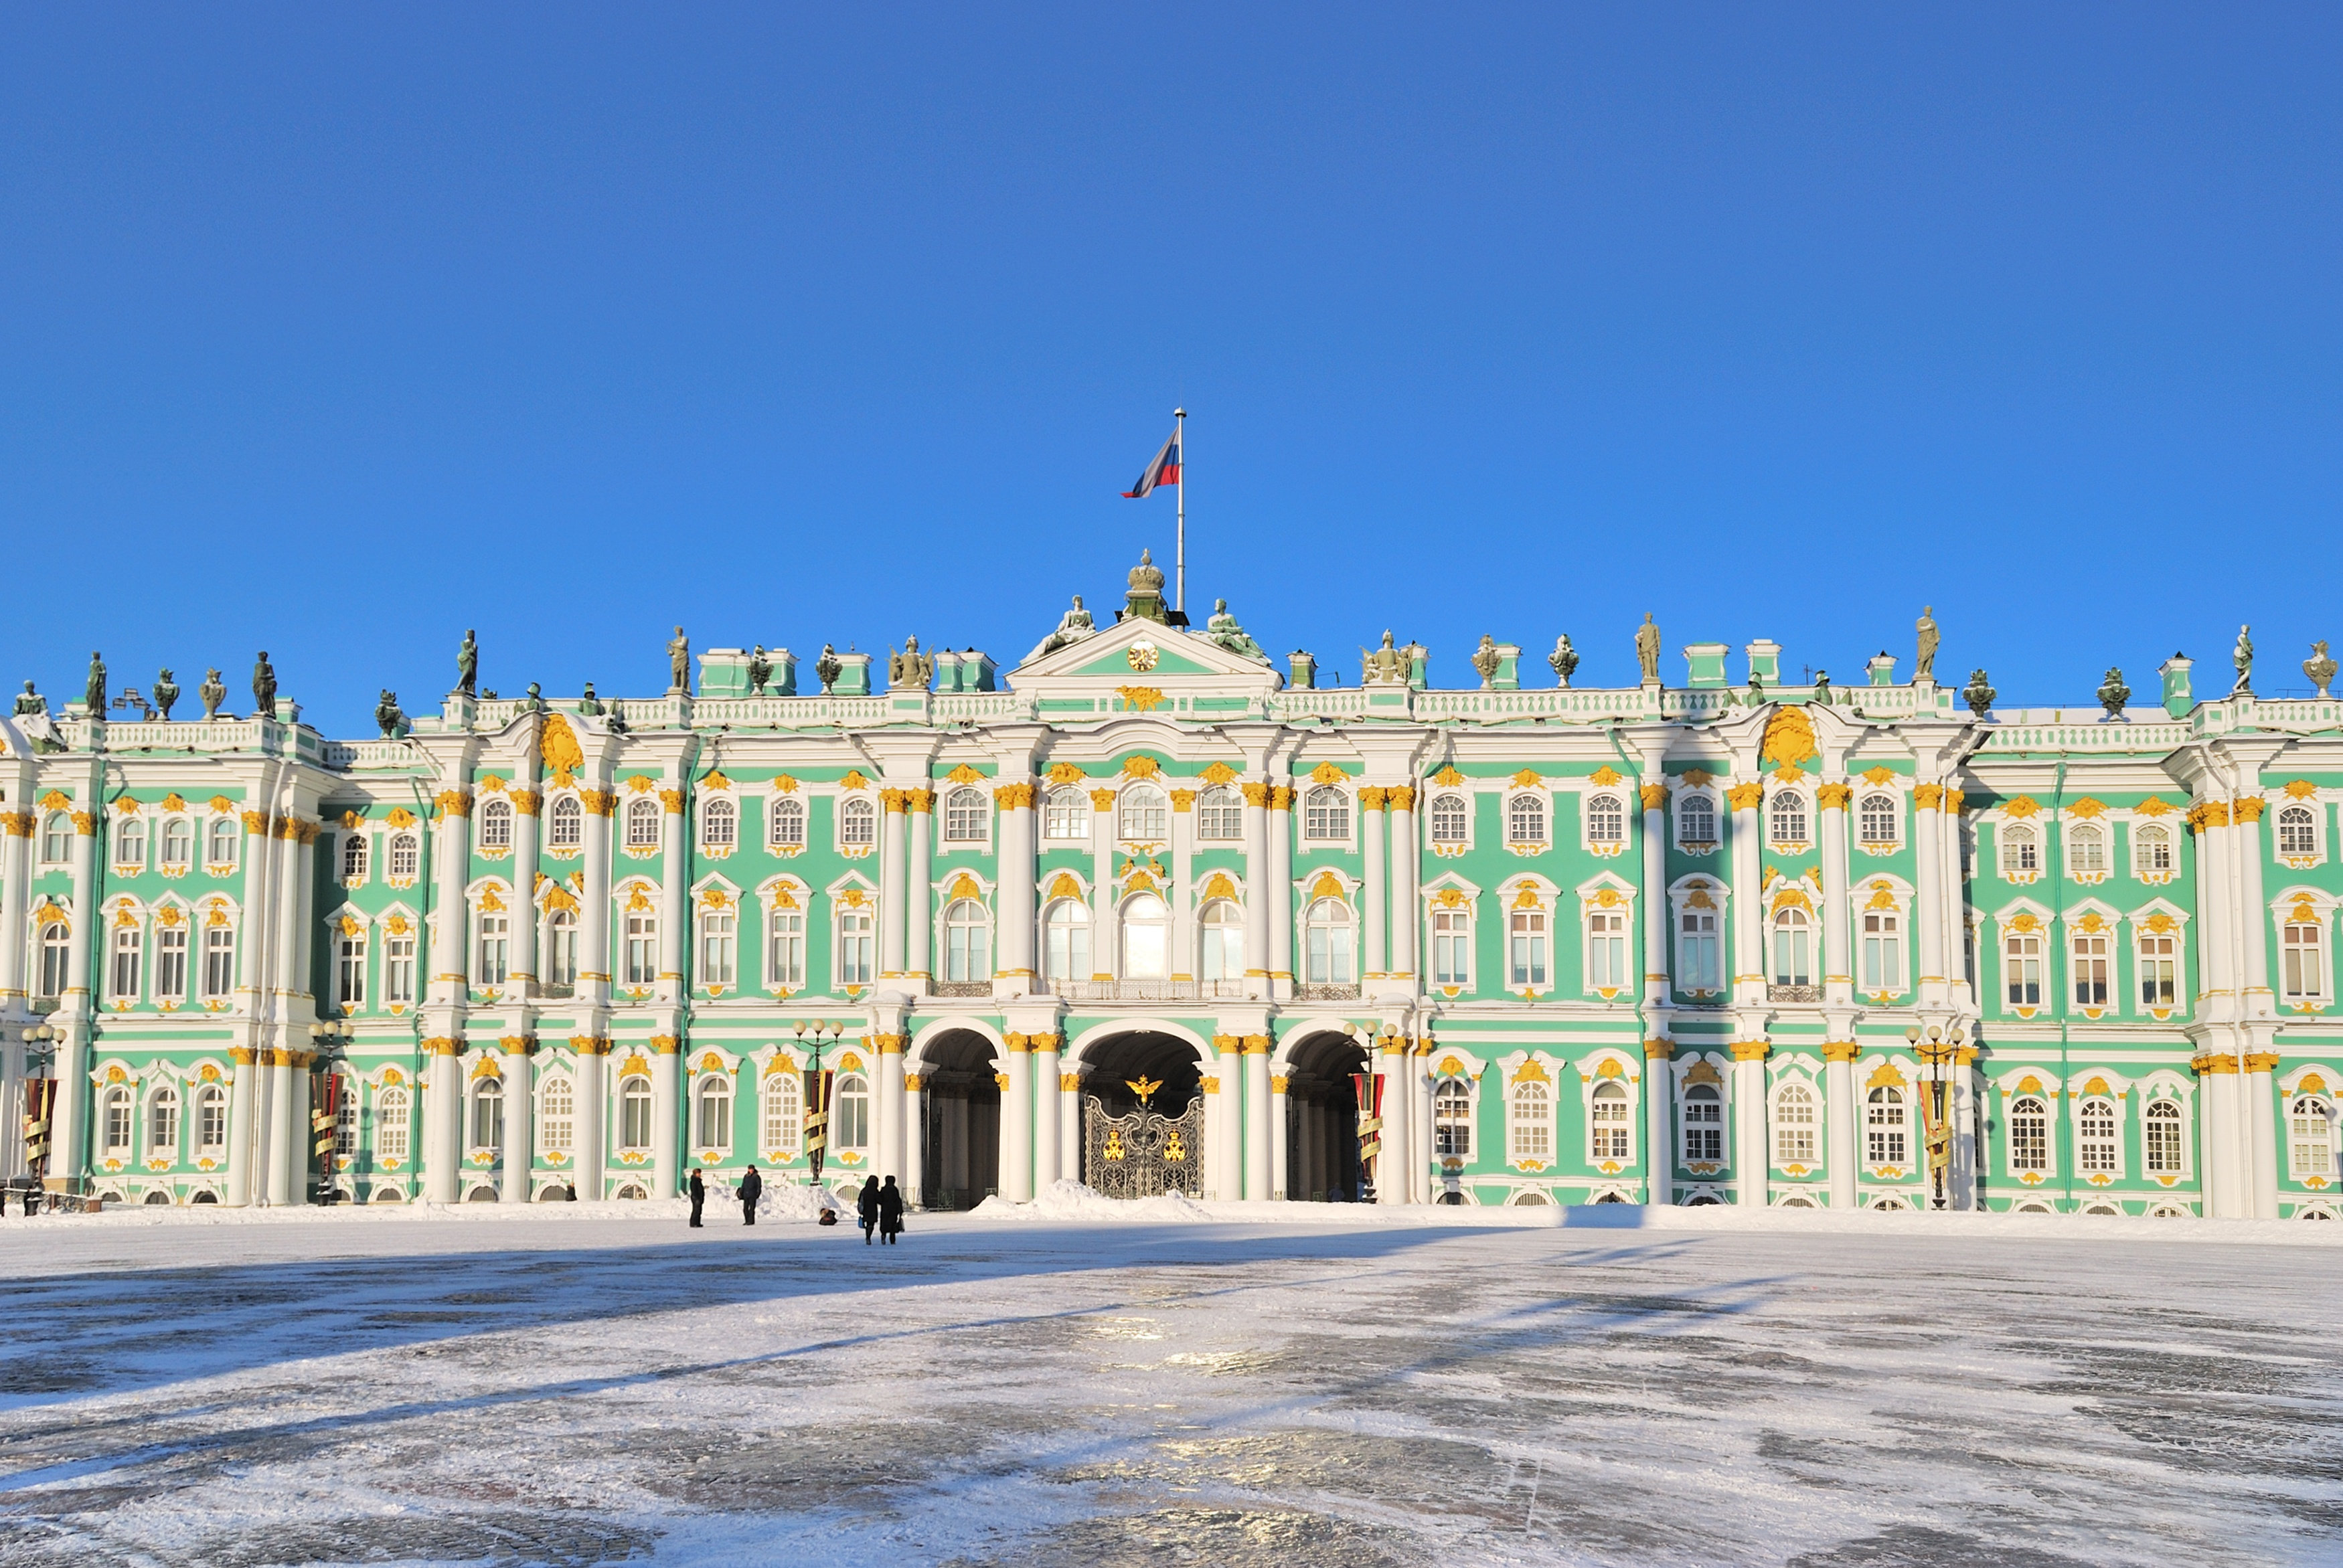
587 1384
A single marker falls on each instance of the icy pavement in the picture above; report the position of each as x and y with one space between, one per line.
580 1385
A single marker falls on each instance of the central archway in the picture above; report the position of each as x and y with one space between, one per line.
1322 1121
1142 1121
959 1122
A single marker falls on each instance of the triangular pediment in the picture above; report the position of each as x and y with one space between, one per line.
1136 652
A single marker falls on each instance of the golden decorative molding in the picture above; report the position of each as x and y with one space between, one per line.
665 1044
1789 737
16 824
440 1045
922 802
1371 797
1183 800
1218 773
1401 797
2087 807
1139 698
1013 797
1834 797
1256 1045
527 801
1280 798
1751 1050
2208 814
1256 794
452 803
2213 1061
2249 810
1328 773
894 802
1841 1049
671 802
2261 1062
1653 1051
1277 1083
1745 797
1654 797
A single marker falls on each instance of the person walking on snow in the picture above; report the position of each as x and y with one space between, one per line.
751 1185
891 1211
866 1204
698 1191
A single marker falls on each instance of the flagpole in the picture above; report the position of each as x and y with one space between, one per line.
1180 584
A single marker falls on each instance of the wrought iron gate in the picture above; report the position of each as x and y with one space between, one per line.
1145 1153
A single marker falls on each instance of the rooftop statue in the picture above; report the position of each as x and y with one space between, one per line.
678 663
1145 600
1072 627
1224 629
166 694
910 670
32 702
264 688
760 670
1648 649
2243 657
468 663
93 696
590 703
1924 664
387 715
1384 666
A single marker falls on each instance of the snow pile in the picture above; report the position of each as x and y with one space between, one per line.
1072 1201
795 1201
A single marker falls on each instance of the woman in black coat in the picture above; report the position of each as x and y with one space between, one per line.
866 1204
891 1211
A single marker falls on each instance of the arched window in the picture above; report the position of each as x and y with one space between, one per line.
642 823
785 955
786 829
2297 832
719 824
2091 966
2151 849
222 854
2020 854
1532 1120
1525 955
1696 821
2302 961
857 821
1452 1119
1878 819
557 1120
642 948
1451 820
1526 819
1066 816
390 1124
561 948
1789 818
350 967
852 1120
2021 968
1326 814
116 1122
856 942
2086 846
720 948
1145 815
1610 1136
2029 1135
1794 1125
965 817
2096 1128
713 1123
1884 1126
496 824
211 1119
1607 950
1222 942
495 942
565 824
354 859
162 1123
1327 946
1793 947
2163 1137
2310 1137
488 1114
56 839
1882 951
635 1114
56 957
1704 1125
967 938
1219 815
1066 945
1146 938
784 1116
403 857
179 842
123 975
1606 819
130 843
1451 945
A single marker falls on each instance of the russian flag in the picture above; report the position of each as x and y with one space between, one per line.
1163 470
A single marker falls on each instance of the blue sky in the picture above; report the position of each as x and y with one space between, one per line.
335 330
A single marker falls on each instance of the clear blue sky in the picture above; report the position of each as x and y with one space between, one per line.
336 329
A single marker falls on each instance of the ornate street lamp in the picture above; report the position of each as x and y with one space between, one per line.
1937 1045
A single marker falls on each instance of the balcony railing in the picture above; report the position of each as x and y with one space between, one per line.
1148 989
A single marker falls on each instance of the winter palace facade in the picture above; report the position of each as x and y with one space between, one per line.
1150 912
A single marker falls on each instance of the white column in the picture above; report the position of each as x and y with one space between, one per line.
594 960
1375 895
1277 1135
1017 1123
1014 940
888 1085
591 1156
2244 836
1105 930
1395 1168
1659 1136
1840 1133
286 1137
525 911
918 896
1278 893
1257 889
915 1147
674 905
451 940
1928 953
1839 956
1258 1137
16 897
1965 1143
666 1116
520 1119
1405 914
239 1127
1228 1160
2261 1130
2216 1093
443 1105
285 918
1070 1121
1656 907
892 904
1049 1125
1185 956
1751 1157
1749 913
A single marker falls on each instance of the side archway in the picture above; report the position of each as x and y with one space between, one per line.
960 1118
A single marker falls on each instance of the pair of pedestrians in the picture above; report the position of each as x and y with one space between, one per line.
882 1209
751 1188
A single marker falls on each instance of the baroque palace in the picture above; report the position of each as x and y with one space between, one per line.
1155 914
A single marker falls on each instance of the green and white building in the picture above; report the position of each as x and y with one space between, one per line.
1139 912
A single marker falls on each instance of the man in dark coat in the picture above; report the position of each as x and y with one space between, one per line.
866 1204
751 1185
698 1189
891 1211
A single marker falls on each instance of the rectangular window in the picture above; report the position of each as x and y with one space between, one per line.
398 969
2097 1144
1527 948
1697 958
2091 967
495 941
171 963
561 952
1451 947
2160 969
129 943
1883 951
2302 961
57 958
1607 950
642 950
2021 970
785 964
2163 1139
718 948
219 962
855 956
1704 1127
351 970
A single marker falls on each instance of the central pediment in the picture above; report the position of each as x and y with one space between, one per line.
1135 652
